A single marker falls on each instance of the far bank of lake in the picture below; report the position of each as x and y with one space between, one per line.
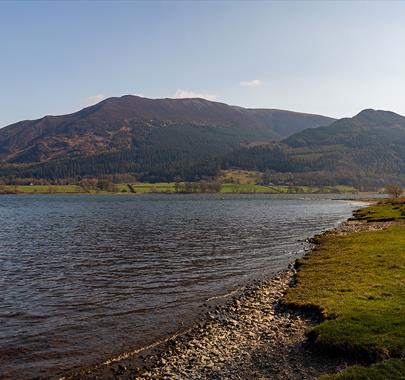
174 188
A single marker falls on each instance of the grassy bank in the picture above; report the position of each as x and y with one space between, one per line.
384 211
169 188
356 281
392 369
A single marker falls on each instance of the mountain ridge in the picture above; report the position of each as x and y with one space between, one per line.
106 126
366 150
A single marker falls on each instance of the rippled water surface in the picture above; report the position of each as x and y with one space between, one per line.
84 278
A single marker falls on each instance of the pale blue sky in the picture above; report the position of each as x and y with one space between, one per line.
332 58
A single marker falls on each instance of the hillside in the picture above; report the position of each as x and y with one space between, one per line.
118 124
367 149
188 139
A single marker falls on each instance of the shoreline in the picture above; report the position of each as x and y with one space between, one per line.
251 334
170 188
248 335
257 333
381 196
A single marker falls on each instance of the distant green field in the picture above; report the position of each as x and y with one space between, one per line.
357 281
169 187
164 187
138 188
44 189
252 188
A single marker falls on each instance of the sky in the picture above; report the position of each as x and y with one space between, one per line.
324 57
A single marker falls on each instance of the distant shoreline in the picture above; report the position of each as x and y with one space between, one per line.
170 188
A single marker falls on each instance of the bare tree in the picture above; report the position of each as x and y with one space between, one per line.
393 190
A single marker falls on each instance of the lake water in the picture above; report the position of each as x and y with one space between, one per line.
84 278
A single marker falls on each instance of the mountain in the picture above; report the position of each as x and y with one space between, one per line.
128 122
369 128
165 139
367 149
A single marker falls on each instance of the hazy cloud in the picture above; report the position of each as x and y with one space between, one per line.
191 94
91 100
251 83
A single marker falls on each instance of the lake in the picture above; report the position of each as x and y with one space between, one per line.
84 277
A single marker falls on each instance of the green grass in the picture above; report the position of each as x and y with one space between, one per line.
163 187
276 189
392 369
169 187
246 188
250 177
244 177
139 188
357 282
45 189
392 209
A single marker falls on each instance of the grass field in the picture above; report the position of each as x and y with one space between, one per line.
357 282
272 189
137 188
142 188
46 189
169 187
392 369
392 210
243 177
244 181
